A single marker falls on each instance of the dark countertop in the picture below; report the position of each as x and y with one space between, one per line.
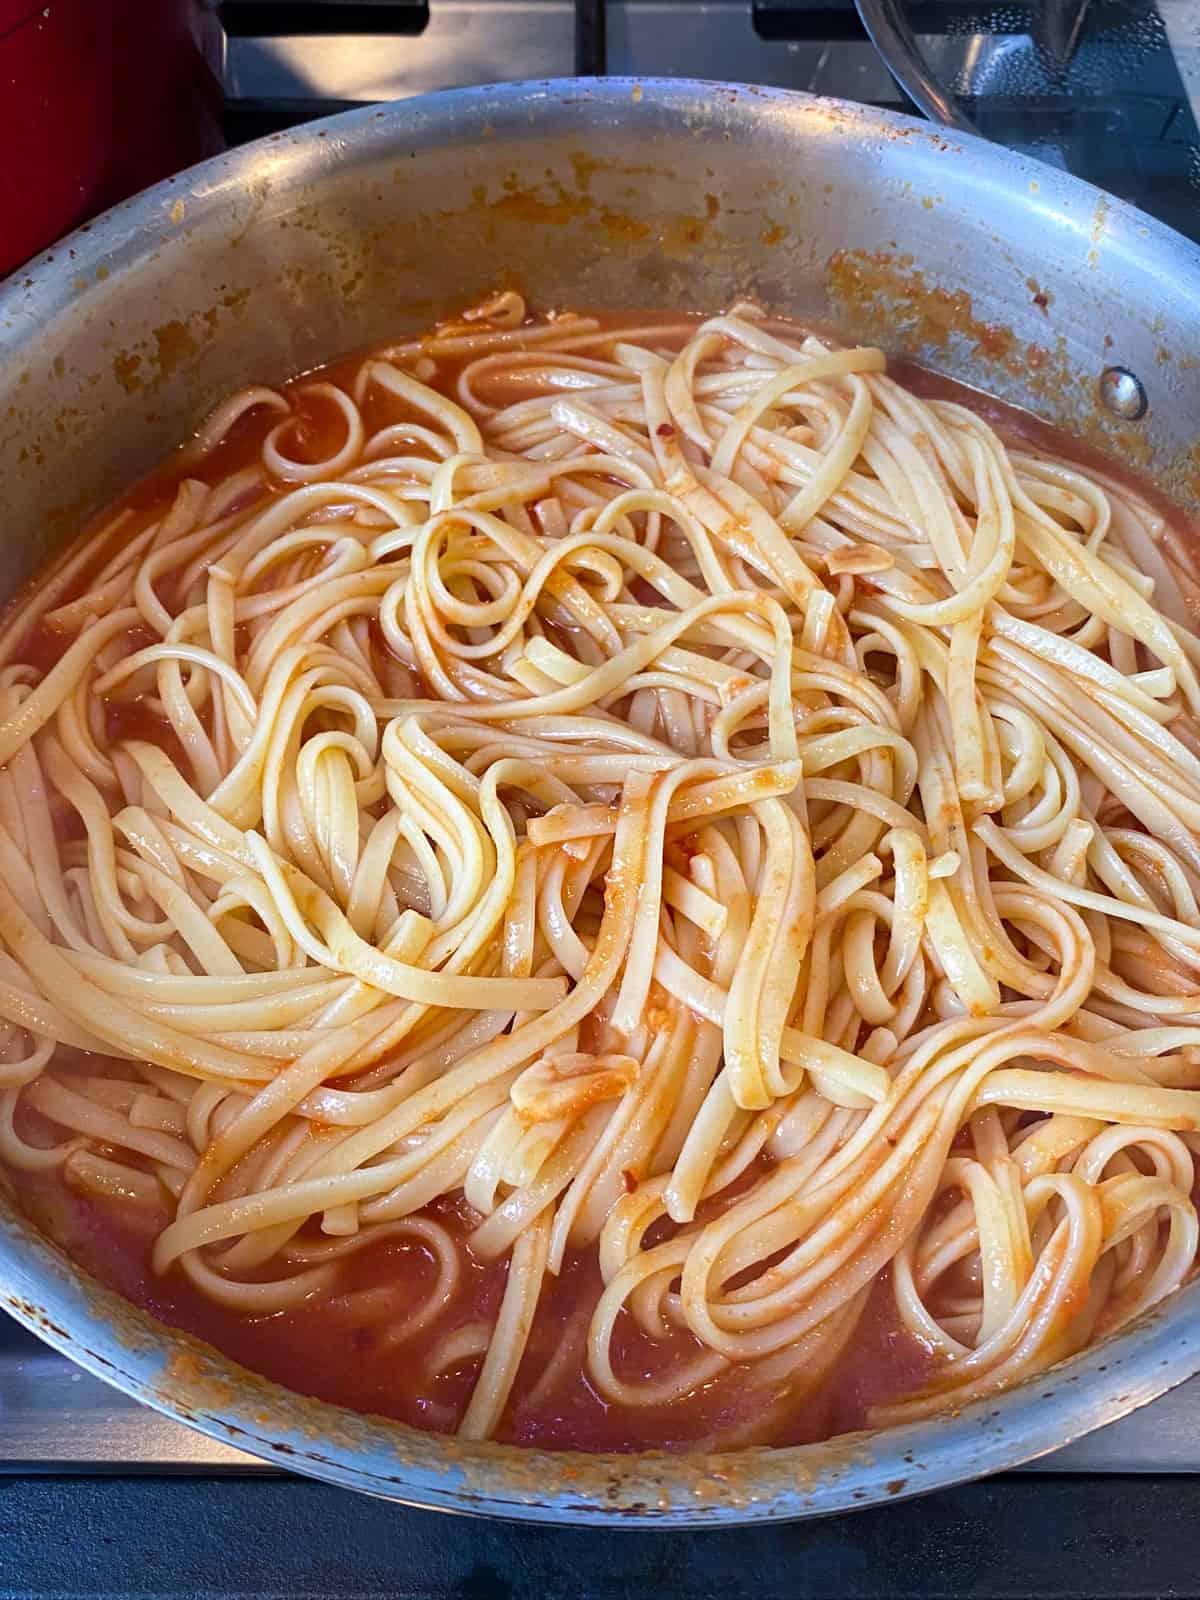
1071 1538
101 1497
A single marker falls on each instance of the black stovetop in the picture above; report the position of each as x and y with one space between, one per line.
1119 109
1059 1538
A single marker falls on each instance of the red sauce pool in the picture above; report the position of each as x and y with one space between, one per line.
330 1346
327 1349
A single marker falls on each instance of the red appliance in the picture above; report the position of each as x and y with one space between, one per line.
98 98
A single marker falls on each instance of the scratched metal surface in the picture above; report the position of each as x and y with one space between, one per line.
56 1418
164 304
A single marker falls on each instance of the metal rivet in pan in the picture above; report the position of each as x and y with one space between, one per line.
1122 394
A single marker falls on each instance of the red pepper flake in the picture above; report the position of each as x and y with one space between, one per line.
665 430
629 1179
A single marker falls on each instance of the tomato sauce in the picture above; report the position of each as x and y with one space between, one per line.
334 1345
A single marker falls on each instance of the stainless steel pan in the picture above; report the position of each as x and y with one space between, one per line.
980 263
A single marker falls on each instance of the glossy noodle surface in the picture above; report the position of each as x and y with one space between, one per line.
610 882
